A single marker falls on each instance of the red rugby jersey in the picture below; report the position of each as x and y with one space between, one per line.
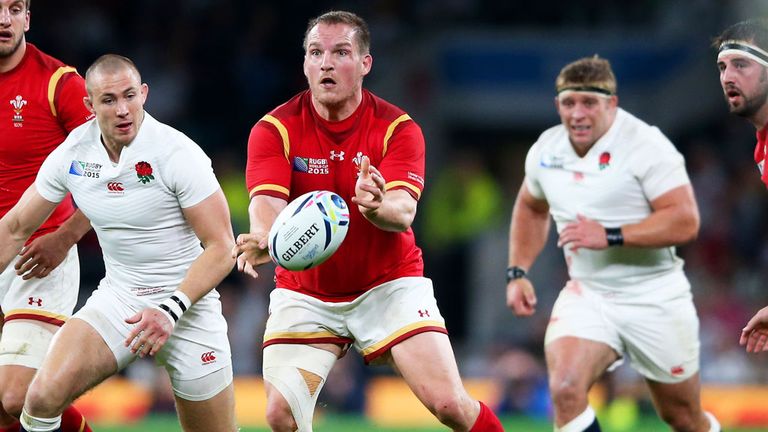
760 153
41 101
292 150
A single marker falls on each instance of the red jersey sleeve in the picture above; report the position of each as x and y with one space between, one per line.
68 101
403 162
268 171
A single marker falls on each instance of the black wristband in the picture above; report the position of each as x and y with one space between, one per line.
515 272
614 236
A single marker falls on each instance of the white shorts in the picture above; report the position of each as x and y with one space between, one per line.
197 347
373 322
660 338
50 299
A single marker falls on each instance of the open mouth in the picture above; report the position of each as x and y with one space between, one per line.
5 35
124 126
327 82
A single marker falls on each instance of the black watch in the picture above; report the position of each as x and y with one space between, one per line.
515 272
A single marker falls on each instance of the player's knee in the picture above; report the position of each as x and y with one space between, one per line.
679 419
279 415
13 400
452 410
567 392
45 400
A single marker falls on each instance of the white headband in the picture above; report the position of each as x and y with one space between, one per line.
569 92
742 48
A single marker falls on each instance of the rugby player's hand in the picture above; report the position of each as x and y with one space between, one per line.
521 297
41 256
369 188
755 334
251 251
152 330
584 233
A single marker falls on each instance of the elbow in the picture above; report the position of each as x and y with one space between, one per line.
689 231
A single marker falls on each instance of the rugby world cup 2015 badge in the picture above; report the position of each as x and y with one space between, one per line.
85 169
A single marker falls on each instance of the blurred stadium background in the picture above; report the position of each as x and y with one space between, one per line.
478 76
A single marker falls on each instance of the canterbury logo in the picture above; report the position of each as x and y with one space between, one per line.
208 357
37 301
115 187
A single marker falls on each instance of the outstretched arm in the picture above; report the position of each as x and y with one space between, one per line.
21 222
211 223
45 253
528 232
251 249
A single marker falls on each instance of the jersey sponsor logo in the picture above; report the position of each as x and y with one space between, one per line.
337 156
144 172
208 357
18 105
677 370
551 161
115 188
310 165
605 160
35 301
85 169
423 313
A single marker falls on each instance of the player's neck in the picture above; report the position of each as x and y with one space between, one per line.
13 60
340 111
760 119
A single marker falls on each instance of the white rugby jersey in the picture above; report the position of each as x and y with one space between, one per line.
135 206
631 165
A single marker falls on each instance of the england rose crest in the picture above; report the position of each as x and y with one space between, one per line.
144 172
605 159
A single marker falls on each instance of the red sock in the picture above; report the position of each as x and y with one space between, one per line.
487 421
73 421
12 428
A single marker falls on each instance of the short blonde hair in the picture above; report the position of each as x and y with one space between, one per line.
587 74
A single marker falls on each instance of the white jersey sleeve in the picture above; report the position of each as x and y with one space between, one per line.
50 180
531 172
659 166
190 175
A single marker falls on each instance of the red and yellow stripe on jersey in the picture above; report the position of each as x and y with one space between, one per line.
41 101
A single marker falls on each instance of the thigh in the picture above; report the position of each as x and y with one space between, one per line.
427 364
578 361
50 299
216 414
673 398
77 360
661 338
392 313
24 343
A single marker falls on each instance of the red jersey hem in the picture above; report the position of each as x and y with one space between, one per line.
307 341
34 317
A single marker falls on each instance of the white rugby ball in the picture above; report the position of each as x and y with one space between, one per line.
309 230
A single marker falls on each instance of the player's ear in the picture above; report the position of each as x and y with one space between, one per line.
367 63
144 92
88 104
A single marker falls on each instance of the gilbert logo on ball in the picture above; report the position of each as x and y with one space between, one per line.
309 230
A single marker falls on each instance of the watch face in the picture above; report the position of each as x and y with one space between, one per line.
515 273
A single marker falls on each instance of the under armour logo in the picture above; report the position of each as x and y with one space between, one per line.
33 300
208 357
337 156
115 187
677 370
423 313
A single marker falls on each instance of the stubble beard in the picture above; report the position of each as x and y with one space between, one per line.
7 52
752 104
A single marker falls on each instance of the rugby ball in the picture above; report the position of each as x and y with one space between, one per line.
309 230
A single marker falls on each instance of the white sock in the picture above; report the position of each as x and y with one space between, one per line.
581 422
39 424
714 425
